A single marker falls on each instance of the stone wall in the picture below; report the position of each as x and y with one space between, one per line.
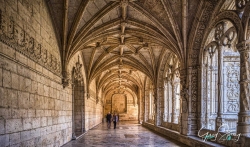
93 108
93 113
35 110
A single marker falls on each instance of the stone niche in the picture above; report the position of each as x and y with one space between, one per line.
124 104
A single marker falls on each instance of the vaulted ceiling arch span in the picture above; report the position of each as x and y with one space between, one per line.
136 37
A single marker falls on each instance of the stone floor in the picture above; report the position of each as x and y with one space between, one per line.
127 134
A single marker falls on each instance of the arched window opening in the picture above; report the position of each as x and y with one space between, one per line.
172 95
78 126
220 78
167 97
165 114
151 105
210 74
176 97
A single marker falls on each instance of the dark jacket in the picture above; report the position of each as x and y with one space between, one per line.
109 116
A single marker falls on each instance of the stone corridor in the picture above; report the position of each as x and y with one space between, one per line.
179 67
127 134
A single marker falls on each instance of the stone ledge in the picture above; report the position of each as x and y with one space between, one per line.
188 140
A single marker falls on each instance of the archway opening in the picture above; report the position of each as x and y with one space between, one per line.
220 79
78 116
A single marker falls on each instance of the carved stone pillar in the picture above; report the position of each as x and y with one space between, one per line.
157 110
166 102
219 118
206 102
244 114
189 92
174 114
144 106
184 102
140 108
169 101
73 116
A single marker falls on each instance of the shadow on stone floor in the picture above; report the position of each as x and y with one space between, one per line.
127 134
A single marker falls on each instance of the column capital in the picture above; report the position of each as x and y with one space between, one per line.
65 79
243 46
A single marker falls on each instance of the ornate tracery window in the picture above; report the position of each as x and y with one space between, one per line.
168 97
151 105
220 78
172 96
209 84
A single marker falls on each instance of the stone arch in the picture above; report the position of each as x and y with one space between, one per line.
231 16
245 22
169 59
215 62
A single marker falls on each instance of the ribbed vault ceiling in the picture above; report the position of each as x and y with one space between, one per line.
124 41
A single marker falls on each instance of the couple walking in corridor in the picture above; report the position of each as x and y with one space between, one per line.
113 118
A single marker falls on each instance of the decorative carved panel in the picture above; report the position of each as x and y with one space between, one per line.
232 87
17 38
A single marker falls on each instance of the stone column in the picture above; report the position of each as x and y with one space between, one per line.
174 116
82 108
73 115
157 110
219 118
244 114
184 102
169 101
166 101
140 106
206 101
189 93
144 106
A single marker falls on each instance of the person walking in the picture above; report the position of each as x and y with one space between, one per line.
115 120
108 117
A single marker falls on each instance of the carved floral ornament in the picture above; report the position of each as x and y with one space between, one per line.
17 38
245 72
221 38
240 4
77 74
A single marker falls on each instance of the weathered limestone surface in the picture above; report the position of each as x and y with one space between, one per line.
92 109
122 103
27 113
35 110
65 63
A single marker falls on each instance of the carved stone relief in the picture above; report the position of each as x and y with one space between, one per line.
16 37
184 91
193 57
232 88
77 74
245 63
194 81
240 4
